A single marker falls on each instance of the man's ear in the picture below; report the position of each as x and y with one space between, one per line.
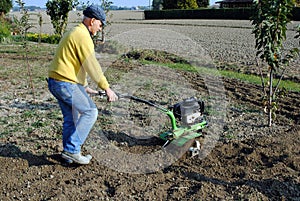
92 21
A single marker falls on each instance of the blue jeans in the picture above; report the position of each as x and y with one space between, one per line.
79 112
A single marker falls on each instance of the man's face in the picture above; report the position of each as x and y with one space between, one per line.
96 25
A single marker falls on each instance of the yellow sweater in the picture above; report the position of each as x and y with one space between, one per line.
75 58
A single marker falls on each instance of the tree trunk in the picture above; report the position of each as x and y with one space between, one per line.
270 110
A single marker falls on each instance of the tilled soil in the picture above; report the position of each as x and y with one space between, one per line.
250 161
243 160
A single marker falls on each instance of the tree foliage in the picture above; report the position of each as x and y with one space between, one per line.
5 6
179 4
58 10
22 25
187 4
203 3
270 25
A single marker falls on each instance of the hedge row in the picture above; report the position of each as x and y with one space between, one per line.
233 14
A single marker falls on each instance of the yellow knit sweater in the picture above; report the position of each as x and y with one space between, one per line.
75 59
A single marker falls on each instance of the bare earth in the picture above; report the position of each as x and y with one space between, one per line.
241 158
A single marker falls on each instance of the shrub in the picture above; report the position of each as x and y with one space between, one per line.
4 31
45 38
34 37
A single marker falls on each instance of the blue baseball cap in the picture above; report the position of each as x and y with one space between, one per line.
94 11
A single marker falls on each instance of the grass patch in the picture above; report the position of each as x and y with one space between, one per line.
252 79
175 62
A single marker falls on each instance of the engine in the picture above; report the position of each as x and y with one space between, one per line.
189 111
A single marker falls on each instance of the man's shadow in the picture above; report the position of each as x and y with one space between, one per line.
12 151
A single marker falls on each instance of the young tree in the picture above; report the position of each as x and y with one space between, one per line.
187 4
270 24
40 22
22 26
58 10
5 6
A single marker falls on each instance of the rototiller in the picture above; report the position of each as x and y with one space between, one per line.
189 116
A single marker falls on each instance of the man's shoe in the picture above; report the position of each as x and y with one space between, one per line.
76 158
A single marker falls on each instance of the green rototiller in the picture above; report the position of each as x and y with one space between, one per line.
186 118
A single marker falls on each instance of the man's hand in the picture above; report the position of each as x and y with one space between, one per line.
111 96
90 91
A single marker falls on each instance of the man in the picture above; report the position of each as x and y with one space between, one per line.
74 60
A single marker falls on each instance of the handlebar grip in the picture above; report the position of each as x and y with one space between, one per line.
101 93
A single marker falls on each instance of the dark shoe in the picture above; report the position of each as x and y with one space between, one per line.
76 158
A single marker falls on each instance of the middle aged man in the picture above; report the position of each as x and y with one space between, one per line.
74 60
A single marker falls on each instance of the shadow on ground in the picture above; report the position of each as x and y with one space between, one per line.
12 151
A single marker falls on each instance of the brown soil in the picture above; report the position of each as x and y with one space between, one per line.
250 161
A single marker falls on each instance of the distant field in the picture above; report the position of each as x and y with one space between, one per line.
75 17
229 43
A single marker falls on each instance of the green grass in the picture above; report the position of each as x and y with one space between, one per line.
252 79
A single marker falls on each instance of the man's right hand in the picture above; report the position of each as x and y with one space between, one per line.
111 95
